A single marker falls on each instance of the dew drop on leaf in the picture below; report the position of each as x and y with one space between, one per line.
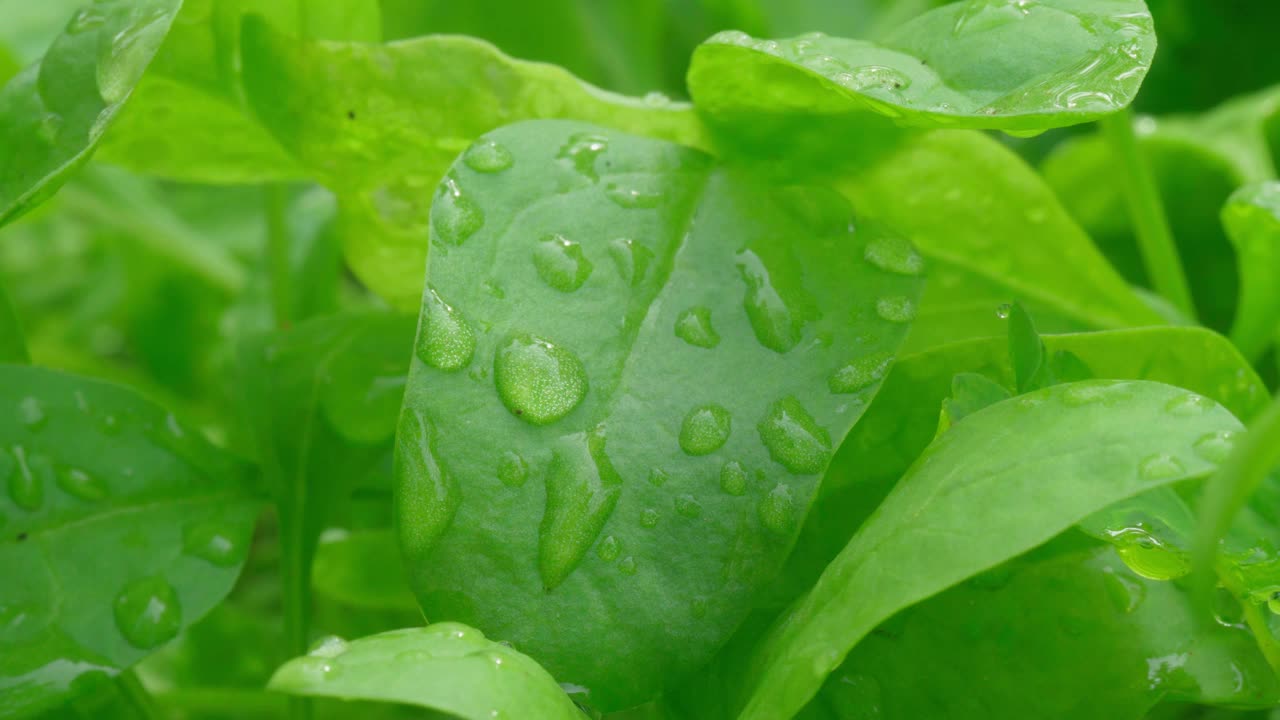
538 381
81 485
147 612
87 19
454 216
777 510
488 156
649 518
658 477
1003 311
315 669
631 258
896 309
329 646
860 373
1160 467
581 151
794 439
894 255
1148 556
1216 446
1189 405
1126 593
561 263
688 506
512 470
582 491
214 541
627 565
733 479
694 327
704 430
609 549
429 495
446 341
632 198
32 414
27 479
774 324
123 60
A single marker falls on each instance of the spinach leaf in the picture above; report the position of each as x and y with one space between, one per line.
13 347
53 113
991 231
1252 220
1017 66
120 528
445 666
559 461
367 121
1063 452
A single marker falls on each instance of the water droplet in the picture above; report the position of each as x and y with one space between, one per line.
656 99
582 491
688 506
631 258
214 541
777 510
1189 405
773 323
609 548
1003 311
1126 593
147 612
493 289
860 373
1216 447
658 477
122 61
896 309
894 255
49 127
316 669
454 216
732 37
488 156
82 485
694 327
561 263
627 565
24 623
649 518
110 425
632 198
1081 394
32 415
874 77
698 608
329 646
27 480
794 439
513 471
538 381
429 495
733 478
705 429
87 19
581 152
1148 556
446 341
1160 467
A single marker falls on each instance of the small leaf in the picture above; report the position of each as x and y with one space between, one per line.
1063 452
447 667
1024 66
105 488
970 392
662 474
1026 352
1252 220
53 114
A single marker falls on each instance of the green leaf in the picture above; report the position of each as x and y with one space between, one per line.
120 525
362 569
1026 351
369 122
29 27
970 392
447 667
13 346
626 353
53 113
1252 221
992 231
976 64
1007 479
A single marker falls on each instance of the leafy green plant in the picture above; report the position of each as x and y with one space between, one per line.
651 360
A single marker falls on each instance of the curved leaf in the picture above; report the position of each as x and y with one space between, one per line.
1017 66
1252 220
120 528
633 367
447 667
53 113
992 232
1063 452
380 124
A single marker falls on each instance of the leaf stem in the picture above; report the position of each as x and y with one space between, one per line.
278 255
137 695
296 595
1147 213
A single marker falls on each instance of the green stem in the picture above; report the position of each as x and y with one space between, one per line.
296 591
133 691
278 255
1255 618
1146 212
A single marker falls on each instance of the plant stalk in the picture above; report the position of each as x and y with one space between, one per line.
278 255
137 695
1147 214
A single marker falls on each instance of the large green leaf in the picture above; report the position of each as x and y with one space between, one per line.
992 232
447 667
1001 482
369 121
1252 220
53 113
633 366
120 528
1018 66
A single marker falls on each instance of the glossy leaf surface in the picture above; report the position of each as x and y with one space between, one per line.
656 461
120 528
1252 220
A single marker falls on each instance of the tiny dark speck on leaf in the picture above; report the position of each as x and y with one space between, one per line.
897 85
519 412
22 536
351 114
